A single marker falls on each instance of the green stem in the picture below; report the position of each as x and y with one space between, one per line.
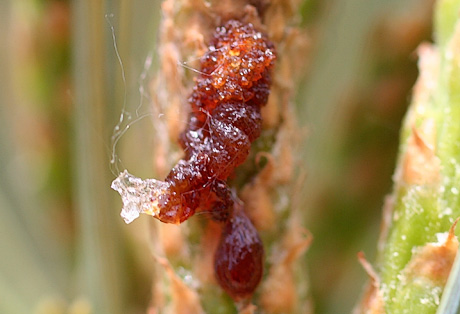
426 197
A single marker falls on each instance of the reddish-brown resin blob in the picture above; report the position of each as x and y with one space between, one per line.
224 120
238 262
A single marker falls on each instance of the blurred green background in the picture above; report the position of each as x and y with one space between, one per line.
64 248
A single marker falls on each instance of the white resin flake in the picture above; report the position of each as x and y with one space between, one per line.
138 196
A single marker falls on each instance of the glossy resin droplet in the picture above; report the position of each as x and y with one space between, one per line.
239 257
